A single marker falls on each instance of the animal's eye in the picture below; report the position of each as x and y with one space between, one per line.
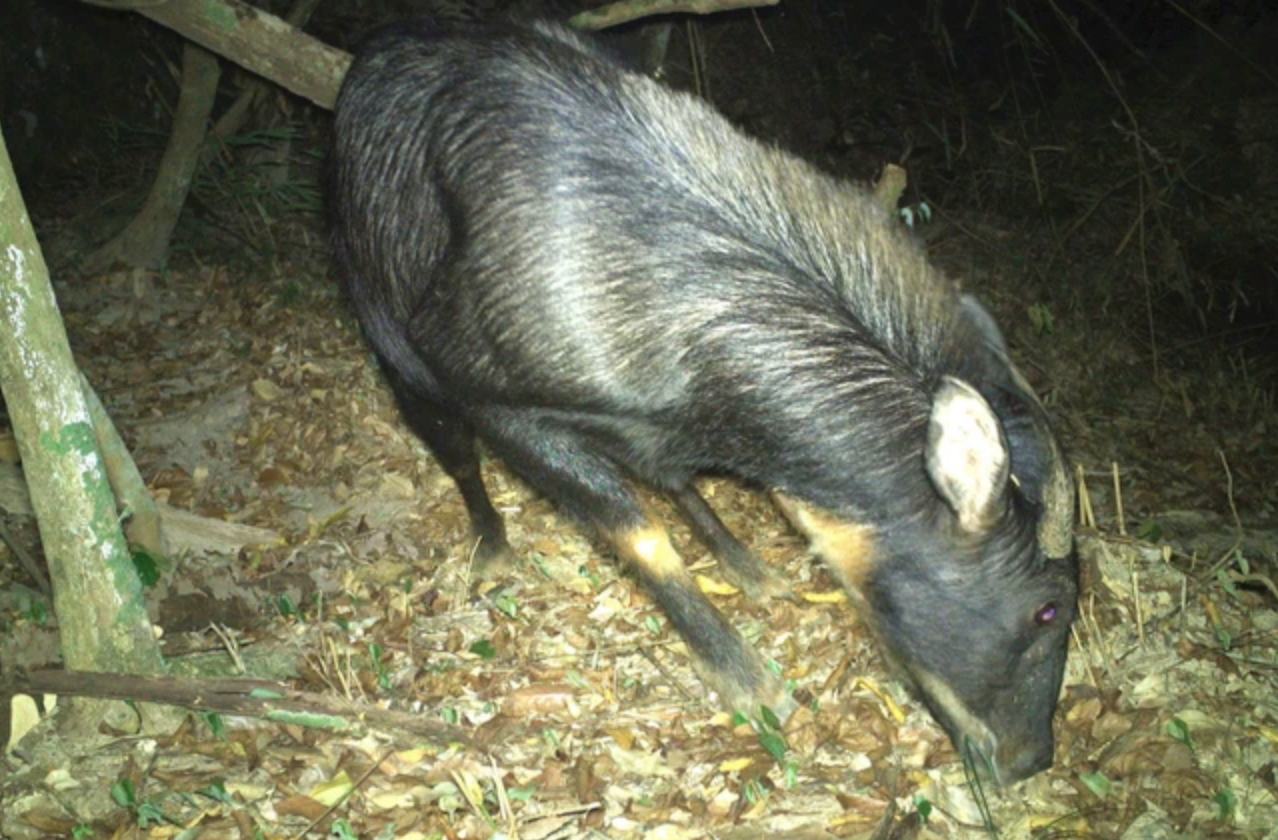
1045 614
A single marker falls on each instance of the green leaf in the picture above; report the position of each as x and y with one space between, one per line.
37 611
591 576
123 793
1042 319
1097 783
216 791
1179 730
483 649
214 722
923 807
147 565
149 812
1149 531
539 562
285 606
1226 583
1227 802
1244 566
774 743
506 603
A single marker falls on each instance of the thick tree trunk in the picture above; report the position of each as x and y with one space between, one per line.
101 616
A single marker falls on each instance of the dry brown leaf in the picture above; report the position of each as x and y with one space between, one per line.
542 699
298 805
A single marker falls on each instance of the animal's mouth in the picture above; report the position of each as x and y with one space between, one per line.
983 753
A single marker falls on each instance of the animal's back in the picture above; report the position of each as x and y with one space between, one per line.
620 221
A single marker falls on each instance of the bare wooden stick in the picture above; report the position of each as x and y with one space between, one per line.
143 527
25 560
265 699
1086 515
1118 501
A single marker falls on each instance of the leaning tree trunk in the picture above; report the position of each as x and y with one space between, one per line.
102 620
144 243
255 40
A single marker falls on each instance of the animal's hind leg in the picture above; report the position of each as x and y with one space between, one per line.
452 441
592 488
739 564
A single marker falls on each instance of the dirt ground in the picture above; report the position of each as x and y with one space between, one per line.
246 396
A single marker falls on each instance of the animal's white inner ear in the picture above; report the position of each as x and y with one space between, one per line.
967 457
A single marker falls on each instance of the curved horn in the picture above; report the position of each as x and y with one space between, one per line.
1055 528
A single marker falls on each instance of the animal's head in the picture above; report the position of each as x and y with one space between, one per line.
972 594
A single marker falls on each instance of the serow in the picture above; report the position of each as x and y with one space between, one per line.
608 284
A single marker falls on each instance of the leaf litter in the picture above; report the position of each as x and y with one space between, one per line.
586 719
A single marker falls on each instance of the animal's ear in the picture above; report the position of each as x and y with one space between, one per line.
967 457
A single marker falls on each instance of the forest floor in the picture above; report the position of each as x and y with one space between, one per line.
253 400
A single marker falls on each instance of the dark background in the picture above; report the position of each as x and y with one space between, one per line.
1104 174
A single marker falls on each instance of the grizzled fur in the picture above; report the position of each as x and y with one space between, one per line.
606 282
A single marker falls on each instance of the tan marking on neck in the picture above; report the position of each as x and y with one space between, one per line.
848 548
